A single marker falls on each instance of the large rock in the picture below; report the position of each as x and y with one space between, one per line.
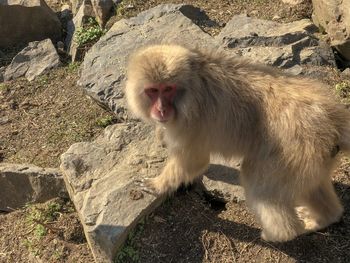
100 178
24 21
79 20
333 17
102 9
34 60
276 44
282 45
22 184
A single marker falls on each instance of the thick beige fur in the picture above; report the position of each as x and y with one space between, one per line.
285 128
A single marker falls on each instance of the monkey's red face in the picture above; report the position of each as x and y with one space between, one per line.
162 101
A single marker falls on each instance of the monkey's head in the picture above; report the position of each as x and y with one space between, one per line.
157 84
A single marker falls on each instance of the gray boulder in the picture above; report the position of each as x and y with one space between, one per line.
276 44
100 177
34 60
333 17
22 21
22 184
80 19
102 9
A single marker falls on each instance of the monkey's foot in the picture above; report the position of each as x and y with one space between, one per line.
304 215
146 186
311 224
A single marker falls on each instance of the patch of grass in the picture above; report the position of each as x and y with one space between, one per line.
40 230
89 33
43 80
3 86
73 67
129 252
31 247
124 6
343 91
57 254
39 217
105 121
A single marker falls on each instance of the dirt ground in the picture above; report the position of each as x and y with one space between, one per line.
39 120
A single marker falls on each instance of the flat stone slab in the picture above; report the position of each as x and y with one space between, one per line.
25 183
100 177
34 60
282 45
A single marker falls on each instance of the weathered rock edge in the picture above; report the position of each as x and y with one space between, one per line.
26 183
100 178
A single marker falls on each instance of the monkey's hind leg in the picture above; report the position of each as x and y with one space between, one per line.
273 205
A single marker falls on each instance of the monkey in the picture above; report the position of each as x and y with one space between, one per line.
286 130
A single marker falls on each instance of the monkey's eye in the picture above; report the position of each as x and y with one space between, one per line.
151 91
168 89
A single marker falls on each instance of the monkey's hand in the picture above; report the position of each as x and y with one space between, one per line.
162 184
149 185
178 170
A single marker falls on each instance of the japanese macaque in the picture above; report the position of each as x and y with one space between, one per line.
286 129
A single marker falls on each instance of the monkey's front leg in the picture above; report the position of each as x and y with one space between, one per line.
181 168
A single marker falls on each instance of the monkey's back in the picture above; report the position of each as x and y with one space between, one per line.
301 118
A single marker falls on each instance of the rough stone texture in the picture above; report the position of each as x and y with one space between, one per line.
22 184
104 65
345 73
276 44
22 21
102 9
34 60
85 11
2 72
333 17
75 5
100 177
